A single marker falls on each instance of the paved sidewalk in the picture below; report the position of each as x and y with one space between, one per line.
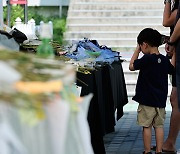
127 138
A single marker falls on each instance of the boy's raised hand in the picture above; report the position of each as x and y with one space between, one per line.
138 49
134 57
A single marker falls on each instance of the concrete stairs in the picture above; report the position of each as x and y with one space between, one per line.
116 24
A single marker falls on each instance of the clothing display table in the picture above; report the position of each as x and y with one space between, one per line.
108 87
40 108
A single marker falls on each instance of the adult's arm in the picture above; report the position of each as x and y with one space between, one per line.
176 33
173 60
168 16
173 39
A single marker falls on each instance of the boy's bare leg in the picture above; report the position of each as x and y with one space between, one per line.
147 131
159 131
174 128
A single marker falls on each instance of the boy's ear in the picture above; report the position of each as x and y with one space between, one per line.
145 45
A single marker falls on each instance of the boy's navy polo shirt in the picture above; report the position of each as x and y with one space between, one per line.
152 83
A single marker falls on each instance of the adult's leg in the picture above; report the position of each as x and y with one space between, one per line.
159 131
178 67
147 131
174 127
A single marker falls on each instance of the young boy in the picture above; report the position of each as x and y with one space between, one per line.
152 86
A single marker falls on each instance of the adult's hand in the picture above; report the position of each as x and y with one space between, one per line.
169 49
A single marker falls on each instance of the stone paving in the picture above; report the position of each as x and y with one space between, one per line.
127 138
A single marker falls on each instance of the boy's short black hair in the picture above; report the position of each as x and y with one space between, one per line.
149 36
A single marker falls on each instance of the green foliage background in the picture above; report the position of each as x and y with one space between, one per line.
59 24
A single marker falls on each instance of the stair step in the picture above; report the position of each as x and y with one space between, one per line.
114 13
116 5
129 3
112 41
102 1
130 76
117 1
113 27
104 34
116 20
